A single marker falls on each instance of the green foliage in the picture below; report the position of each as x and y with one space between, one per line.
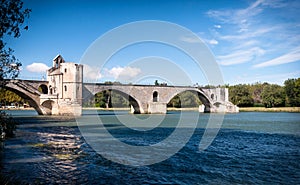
112 83
108 99
273 96
118 100
156 83
264 94
240 95
256 90
185 99
7 97
7 125
12 17
292 90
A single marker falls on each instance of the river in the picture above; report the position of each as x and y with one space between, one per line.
250 148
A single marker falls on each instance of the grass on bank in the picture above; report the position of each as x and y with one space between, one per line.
274 109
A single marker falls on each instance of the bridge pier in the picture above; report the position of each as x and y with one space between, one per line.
157 108
150 108
224 107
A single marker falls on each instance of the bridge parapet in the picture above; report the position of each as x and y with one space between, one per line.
64 91
154 99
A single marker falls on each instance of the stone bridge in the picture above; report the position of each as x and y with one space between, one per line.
142 98
154 99
64 92
29 90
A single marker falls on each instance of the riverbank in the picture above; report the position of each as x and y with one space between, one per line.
274 109
128 109
106 109
242 109
17 108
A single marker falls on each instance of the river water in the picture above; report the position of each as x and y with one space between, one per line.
250 148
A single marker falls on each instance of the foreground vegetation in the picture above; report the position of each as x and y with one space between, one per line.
13 16
7 125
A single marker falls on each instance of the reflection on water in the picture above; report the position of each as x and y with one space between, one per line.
251 148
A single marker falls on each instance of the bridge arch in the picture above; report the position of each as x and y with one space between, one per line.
134 103
48 106
29 98
207 102
29 92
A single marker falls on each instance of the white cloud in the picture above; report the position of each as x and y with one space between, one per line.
239 16
275 3
123 73
37 67
218 26
292 56
245 23
213 42
91 72
117 73
248 35
246 44
240 56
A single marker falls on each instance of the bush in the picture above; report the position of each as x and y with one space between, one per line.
273 96
258 105
7 125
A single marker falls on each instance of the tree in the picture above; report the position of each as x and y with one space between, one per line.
7 97
240 95
292 90
118 100
273 96
108 99
185 99
256 90
12 17
175 102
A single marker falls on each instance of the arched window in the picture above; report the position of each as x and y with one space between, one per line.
155 96
65 70
43 89
65 88
212 96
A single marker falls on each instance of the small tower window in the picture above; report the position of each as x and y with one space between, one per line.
65 88
155 96
65 70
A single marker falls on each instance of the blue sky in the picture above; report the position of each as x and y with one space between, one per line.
252 40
